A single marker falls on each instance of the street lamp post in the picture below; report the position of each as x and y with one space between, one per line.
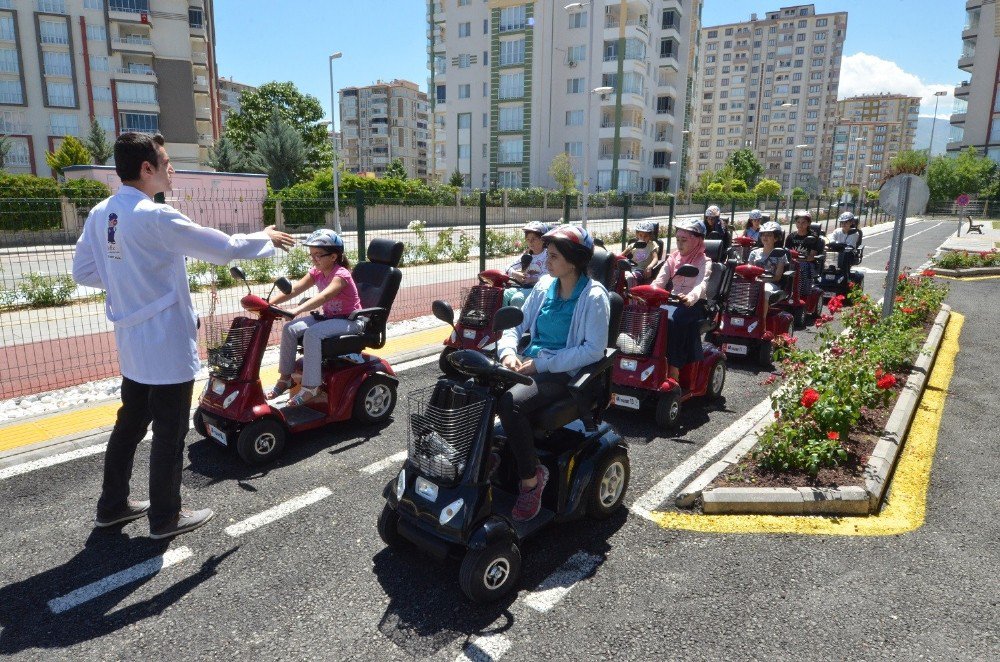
572 8
333 140
937 98
864 181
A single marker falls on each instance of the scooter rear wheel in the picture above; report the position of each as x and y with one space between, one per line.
490 573
261 441
717 379
668 409
765 353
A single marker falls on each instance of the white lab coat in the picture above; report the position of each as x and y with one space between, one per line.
143 271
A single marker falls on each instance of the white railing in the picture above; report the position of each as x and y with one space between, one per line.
135 71
54 39
134 40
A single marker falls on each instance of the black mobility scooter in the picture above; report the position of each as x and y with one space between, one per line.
450 502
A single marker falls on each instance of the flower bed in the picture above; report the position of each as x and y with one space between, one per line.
967 259
836 399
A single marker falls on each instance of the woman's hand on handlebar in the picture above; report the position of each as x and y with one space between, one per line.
528 368
511 362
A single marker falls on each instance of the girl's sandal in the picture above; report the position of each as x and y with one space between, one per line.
303 396
280 387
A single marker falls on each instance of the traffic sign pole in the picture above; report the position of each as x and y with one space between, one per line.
899 229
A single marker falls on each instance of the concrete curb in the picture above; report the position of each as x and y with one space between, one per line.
852 500
93 437
968 272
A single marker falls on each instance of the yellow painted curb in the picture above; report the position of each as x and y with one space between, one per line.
963 278
907 499
103 415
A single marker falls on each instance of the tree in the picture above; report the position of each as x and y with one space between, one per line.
911 162
71 152
745 166
456 179
561 171
280 152
396 170
301 111
225 157
767 188
5 146
97 143
968 172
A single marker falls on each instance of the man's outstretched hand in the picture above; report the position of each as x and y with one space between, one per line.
282 240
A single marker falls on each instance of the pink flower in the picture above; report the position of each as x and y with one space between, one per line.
810 397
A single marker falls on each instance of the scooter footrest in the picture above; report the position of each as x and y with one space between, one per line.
295 416
503 505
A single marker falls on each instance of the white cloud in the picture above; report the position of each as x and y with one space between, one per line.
862 73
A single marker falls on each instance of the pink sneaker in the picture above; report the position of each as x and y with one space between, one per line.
529 502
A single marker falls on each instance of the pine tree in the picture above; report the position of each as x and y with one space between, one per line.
224 156
281 153
97 143
71 152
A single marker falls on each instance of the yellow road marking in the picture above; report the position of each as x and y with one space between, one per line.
103 415
967 277
907 499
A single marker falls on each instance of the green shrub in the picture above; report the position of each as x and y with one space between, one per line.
501 243
42 291
296 263
85 192
28 202
965 259
221 275
260 271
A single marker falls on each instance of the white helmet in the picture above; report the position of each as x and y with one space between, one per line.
755 215
324 238
770 226
645 226
691 225
713 211
846 217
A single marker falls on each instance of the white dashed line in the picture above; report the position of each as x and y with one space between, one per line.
905 238
117 580
559 583
276 513
485 649
384 464
52 460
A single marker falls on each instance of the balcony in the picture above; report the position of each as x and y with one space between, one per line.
958 118
675 5
139 105
963 88
132 44
51 6
202 113
138 74
669 61
635 27
199 57
206 139
201 84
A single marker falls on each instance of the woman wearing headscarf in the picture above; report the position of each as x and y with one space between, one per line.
684 338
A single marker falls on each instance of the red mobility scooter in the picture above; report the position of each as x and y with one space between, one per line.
640 371
805 298
233 410
744 329
474 329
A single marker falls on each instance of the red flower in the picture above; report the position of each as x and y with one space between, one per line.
907 311
770 379
902 277
836 350
810 396
777 414
833 435
887 381
899 299
929 273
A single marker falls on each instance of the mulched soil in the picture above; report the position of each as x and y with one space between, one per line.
859 446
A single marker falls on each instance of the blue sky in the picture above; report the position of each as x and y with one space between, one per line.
908 46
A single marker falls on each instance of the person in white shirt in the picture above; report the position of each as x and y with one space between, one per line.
843 234
526 278
134 249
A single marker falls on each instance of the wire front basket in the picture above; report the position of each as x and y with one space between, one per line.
743 296
444 419
638 329
225 360
481 302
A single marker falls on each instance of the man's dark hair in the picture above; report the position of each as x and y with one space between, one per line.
134 149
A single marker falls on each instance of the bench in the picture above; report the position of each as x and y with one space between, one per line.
974 227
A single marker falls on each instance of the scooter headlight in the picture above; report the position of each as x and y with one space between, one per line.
450 511
400 484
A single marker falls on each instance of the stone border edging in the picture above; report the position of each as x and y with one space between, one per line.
968 271
851 500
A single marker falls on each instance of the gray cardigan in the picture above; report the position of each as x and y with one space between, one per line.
588 329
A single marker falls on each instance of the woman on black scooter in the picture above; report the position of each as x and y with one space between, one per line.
683 338
567 316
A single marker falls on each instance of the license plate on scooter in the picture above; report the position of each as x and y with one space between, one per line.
469 334
217 434
628 401
730 348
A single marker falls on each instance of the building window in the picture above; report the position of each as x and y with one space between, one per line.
512 85
8 61
574 85
574 148
53 32
574 118
465 152
7 28
140 122
576 54
668 47
509 179
60 94
513 18
440 94
97 33
11 92
464 61
101 93
512 52
670 19
93 4
133 6
577 20
464 91
64 125
99 63
464 29
57 63
137 93
196 19
511 118
510 149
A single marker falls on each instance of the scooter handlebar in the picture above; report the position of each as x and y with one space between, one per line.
509 375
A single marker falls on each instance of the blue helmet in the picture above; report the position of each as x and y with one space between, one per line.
324 238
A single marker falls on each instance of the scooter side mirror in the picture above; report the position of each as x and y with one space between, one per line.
443 311
284 285
507 318
687 271
237 273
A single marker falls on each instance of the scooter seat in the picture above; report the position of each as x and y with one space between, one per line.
776 296
554 416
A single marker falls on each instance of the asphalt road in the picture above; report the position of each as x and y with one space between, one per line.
318 583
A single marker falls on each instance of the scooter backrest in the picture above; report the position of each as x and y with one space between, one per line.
494 277
742 240
602 268
651 296
714 249
378 279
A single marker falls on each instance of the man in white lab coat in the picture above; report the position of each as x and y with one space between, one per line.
134 249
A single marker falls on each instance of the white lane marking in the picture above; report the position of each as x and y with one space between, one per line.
117 580
276 513
559 583
905 238
649 501
416 363
381 465
52 460
485 649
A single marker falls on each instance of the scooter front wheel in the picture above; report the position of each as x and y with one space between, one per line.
668 409
610 483
375 399
261 441
199 424
388 527
447 369
491 573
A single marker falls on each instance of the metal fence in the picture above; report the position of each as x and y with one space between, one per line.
54 333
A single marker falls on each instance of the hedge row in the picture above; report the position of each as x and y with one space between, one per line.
29 203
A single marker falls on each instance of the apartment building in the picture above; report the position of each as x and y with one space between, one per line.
515 83
229 98
770 84
871 130
383 122
975 119
134 65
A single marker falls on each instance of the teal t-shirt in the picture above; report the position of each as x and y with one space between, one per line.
552 326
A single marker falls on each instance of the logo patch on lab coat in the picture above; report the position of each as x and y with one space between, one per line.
114 252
